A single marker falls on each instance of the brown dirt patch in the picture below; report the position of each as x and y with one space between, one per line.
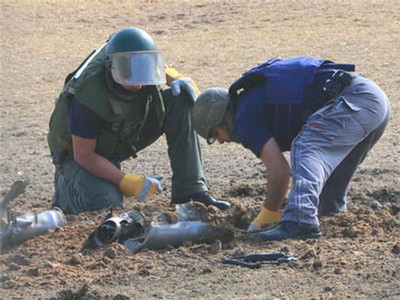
213 42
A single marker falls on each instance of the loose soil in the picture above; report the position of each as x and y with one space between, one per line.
213 42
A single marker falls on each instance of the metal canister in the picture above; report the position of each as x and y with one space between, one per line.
27 225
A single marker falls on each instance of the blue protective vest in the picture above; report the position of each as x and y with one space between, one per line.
290 89
285 79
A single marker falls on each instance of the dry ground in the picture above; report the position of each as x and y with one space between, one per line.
213 42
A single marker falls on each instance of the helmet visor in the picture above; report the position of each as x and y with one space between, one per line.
138 68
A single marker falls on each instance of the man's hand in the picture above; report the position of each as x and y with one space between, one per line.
278 182
264 218
177 82
187 84
143 187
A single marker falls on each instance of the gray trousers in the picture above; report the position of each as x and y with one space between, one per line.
77 190
331 145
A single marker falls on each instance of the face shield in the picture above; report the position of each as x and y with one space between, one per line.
138 68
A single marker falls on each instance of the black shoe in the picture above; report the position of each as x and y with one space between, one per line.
205 198
291 230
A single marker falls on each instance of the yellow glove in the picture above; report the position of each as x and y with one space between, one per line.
265 217
177 81
143 187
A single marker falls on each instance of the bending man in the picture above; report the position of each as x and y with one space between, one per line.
324 113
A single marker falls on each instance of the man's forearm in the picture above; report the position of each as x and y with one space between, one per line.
278 175
277 189
86 156
101 167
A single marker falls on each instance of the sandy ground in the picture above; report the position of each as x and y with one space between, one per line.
213 42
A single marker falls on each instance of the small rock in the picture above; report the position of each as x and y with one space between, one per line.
144 272
49 264
284 249
187 244
3 277
13 267
309 254
350 233
311 241
120 297
107 260
72 218
97 265
215 247
206 270
166 218
75 260
21 260
396 249
212 210
111 253
151 208
338 271
317 264
376 205
34 272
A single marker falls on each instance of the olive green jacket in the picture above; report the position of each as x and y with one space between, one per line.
122 112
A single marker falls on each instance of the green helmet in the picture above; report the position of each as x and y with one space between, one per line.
135 58
209 110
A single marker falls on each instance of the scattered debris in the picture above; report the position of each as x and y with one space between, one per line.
17 228
256 260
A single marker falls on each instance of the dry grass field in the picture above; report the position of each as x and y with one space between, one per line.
213 42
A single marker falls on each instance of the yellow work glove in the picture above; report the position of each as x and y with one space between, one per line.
265 217
143 187
177 82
